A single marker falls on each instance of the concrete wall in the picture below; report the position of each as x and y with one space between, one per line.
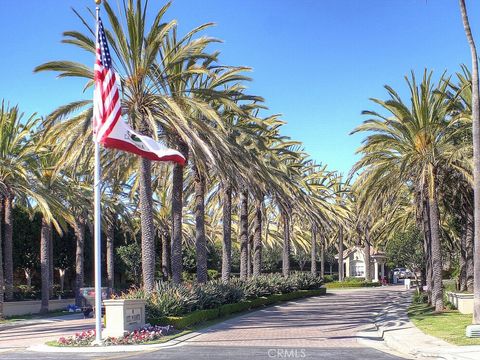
33 306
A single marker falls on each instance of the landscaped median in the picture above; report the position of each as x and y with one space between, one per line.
176 309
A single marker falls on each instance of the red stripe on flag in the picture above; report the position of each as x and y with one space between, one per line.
126 146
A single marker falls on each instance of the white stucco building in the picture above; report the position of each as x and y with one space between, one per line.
354 263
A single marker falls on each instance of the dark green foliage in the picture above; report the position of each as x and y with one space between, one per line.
213 274
271 260
351 284
405 250
420 298
131 255
330 278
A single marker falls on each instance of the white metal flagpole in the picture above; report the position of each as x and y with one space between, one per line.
98 233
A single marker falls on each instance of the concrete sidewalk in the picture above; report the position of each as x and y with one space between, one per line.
401 335
22 334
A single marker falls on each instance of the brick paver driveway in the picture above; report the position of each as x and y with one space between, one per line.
328 321
324 327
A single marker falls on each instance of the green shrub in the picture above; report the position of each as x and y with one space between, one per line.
213 274
354 279
330 278
351 284
420 298
24 292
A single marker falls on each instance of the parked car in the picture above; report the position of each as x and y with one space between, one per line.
402 273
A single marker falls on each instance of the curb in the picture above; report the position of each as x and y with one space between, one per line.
401 335
113 349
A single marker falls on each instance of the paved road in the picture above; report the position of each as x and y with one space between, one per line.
314 328
22 336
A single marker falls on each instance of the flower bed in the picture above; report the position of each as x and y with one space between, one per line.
141 336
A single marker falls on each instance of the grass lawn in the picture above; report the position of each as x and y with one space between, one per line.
448 325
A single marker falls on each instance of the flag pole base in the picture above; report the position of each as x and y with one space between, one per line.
98 343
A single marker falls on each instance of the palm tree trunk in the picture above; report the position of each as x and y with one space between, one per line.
340 254
2 279
462 261
257 238
368 277
476 161
110 238
427 248
469 252
166 251
322 256
227 232
8 247
177 207
243 233
286 244
79 229
249 256
50 264
313 252
437 289
146 219
45 234
200 239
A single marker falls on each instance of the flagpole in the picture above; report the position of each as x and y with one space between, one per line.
98 231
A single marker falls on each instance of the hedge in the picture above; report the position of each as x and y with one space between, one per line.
200 316
351 284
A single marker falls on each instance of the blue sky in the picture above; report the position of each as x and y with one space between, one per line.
317 62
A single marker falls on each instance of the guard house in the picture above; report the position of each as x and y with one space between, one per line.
354 263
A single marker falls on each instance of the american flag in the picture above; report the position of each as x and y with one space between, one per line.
106 100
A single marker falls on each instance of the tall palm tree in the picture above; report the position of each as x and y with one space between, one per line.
15 155
413 145
476 158
52 187
137 55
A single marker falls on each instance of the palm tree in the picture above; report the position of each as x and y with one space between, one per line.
15 155
136 58
51 186
412 146
476 158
